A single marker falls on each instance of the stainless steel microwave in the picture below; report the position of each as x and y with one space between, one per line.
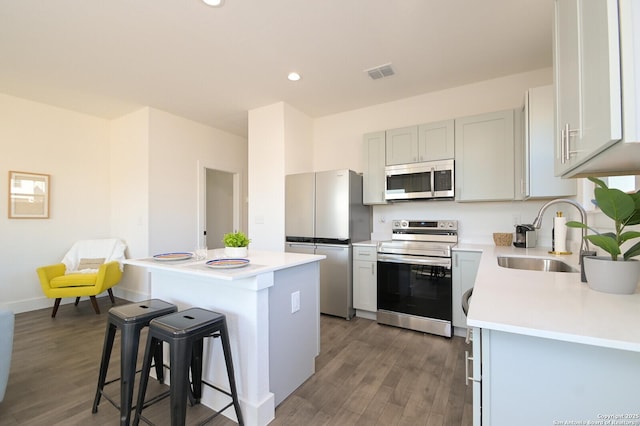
415 181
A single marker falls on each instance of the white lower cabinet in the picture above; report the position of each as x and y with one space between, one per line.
365 269
528 380
463 276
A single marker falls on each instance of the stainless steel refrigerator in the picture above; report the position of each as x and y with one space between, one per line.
324 215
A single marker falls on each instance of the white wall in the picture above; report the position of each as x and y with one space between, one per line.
129 143
176 145
280 143
155 161
298 141
134 178
337 141
266 159
73 149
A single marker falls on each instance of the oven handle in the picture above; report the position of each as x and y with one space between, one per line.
414 260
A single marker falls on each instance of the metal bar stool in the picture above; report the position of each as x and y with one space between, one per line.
184 332
130 319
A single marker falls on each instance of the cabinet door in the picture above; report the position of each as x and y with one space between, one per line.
600 76
402 145
364 286
373 174
436 141
463 274
566 66
365 295
540 181
587 76
484 147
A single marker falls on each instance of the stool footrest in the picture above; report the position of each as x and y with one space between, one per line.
214 415
218 389
156 398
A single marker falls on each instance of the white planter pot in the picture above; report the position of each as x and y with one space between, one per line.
236 252
608 276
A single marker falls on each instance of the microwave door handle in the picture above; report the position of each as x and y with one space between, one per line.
432 175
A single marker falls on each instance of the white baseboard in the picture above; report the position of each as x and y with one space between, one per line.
43 302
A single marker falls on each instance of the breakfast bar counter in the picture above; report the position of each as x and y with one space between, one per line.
273 315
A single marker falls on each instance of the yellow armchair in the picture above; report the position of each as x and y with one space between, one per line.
57 282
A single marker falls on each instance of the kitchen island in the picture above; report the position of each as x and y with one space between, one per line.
549 349
273 315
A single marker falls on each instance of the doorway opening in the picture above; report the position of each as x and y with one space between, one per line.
219 208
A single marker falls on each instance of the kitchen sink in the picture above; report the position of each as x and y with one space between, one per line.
535 264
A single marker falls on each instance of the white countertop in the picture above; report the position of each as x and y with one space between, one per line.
260 262
554 305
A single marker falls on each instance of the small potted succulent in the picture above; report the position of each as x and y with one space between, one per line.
235 244
618 272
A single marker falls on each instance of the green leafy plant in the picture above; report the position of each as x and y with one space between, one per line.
624 210
235 239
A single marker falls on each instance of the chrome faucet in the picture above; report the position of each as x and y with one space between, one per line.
537 222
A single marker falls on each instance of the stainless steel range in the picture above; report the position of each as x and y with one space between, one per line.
414 275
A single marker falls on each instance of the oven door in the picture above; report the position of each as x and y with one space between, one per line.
415 285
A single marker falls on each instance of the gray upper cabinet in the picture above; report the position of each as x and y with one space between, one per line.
594 57
426 142
485 157
402 146
436 141
538 179
373 149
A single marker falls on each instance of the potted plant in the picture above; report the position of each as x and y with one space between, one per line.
618 272
235 244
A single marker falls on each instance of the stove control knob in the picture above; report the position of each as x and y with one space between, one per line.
404 224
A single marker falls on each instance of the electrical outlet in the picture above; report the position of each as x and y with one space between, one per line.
295 301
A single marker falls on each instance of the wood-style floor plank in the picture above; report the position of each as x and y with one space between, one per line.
366 374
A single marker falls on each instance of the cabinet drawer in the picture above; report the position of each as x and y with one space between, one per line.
364 253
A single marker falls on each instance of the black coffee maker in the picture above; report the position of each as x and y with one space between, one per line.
525 236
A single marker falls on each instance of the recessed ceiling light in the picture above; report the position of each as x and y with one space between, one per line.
294 76
214 3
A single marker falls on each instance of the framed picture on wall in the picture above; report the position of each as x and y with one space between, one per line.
28 195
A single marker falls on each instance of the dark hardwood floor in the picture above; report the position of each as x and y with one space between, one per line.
366 374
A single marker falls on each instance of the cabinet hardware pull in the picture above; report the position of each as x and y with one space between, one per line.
433 178
466 368
372 271
469 337
563 144
565 147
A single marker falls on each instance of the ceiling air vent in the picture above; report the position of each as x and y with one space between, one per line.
380 71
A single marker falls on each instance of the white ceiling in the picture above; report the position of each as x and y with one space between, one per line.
212 65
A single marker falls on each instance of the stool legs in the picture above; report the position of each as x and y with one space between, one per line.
128 358
196 370
180 354
104 363
224 336
130 319
184 332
